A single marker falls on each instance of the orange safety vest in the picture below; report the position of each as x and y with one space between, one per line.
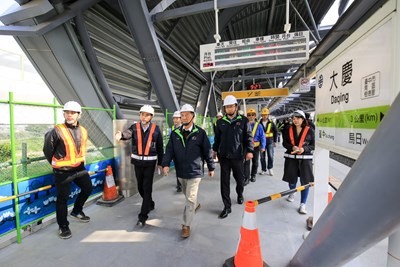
302 138
72 157
139 137
268 132
256 144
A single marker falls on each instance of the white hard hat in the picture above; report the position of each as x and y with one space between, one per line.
187 107
148 109
220 114
72 106
299 113
177 114
230 100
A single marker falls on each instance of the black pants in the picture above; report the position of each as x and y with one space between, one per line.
254 164
144 177
63 191
236 165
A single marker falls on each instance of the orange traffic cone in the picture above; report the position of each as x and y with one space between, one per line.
110 194
249 251
330 194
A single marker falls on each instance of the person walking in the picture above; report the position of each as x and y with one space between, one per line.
147 150
234 143
271 134
176 118
65 149
189 147
259 142
299 142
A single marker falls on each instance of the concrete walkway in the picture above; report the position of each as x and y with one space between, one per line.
112 239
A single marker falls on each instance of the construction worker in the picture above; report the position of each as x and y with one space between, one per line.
65 149
271 133
233 142
189 147
259 142
176 118
147 150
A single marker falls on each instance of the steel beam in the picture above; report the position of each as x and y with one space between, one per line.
138 20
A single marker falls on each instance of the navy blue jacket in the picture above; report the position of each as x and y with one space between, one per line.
233 139
189 154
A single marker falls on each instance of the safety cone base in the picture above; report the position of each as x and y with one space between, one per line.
230 263
110 203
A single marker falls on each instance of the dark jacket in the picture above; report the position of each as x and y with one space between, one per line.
156 147
54 145
189 154
233 139
274 130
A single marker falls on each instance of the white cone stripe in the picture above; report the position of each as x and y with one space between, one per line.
110 181
249 221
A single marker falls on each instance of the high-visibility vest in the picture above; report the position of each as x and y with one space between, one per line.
72 157
302 138
268 132
256 144
149 139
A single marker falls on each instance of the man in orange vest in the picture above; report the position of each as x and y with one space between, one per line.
147 150
65 149
271 134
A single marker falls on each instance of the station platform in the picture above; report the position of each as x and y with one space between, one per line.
111 238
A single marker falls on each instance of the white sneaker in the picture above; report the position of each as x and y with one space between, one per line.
302 208
270 172
290 198
263 173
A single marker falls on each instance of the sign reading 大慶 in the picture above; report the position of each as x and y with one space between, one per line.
354 92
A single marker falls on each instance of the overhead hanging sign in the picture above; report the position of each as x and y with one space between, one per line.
248 94
354 91
272 50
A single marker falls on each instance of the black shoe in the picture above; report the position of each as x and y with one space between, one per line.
240 200
178 188
64 232
246 182
225 213
81 216
253 179
141 223
153 205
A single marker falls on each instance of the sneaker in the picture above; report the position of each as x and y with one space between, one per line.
197 208
270 172
178 188
302 208
141 223
290 198
252 179
185 231
81 216
263 173
64 232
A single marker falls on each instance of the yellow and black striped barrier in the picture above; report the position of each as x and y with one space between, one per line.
282 194
47 187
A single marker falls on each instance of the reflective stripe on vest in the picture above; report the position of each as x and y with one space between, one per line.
256 144
268 132
303 137
72 158
149 139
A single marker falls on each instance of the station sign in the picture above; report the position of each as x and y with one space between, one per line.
272 50
354 92
249 94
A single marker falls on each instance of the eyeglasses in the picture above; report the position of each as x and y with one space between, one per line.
251 114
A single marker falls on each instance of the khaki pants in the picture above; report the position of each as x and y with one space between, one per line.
190 187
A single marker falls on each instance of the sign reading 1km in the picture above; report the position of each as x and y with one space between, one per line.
354 92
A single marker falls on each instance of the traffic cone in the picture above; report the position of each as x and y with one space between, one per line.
330 194
110 193
249 251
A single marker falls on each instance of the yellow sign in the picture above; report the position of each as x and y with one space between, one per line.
247 94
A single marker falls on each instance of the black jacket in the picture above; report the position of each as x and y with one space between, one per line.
156 148
189 154
233 139
54 145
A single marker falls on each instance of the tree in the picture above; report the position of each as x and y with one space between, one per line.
5 152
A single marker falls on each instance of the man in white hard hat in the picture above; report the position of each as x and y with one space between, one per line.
176 118
189 147
234 143
65 149
147 150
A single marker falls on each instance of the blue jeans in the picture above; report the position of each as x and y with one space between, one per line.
304 193
270 153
